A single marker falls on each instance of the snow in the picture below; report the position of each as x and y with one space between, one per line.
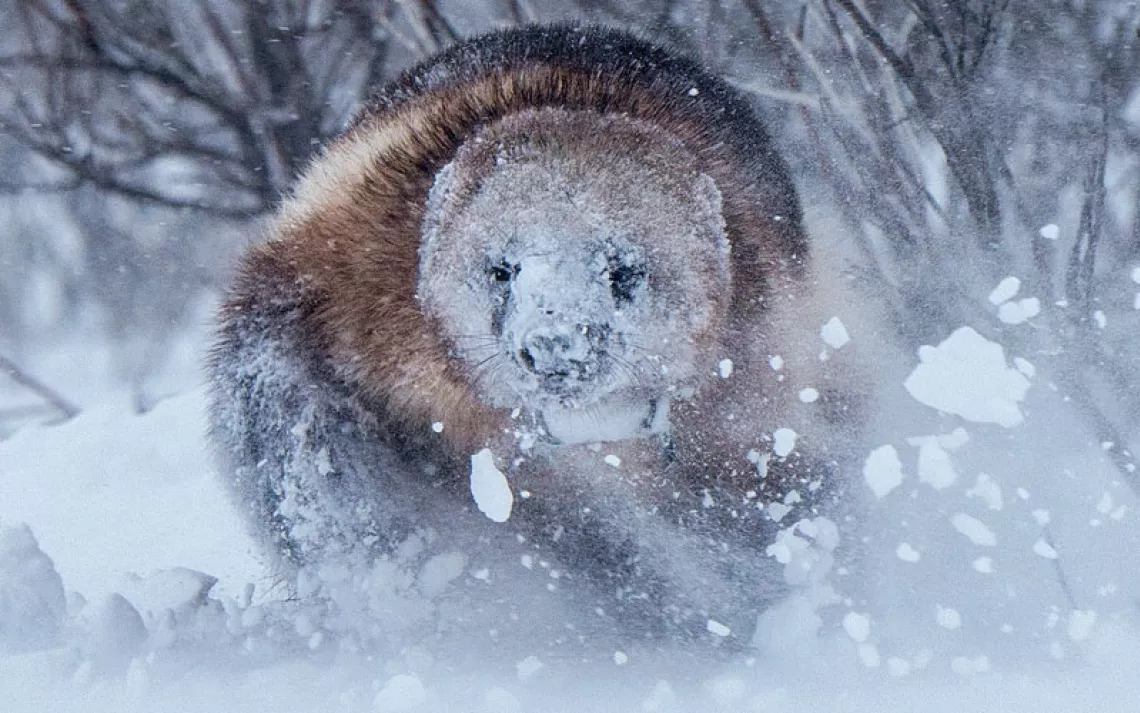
715 627
490 488
967 375
857 626
1019 311
974 530
32 604
948 618
1049 232
883 470
934 466
400 693
783 442
135 587
834 334
1005 291
906 553
724 368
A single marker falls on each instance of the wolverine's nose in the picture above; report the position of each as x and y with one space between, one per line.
557 351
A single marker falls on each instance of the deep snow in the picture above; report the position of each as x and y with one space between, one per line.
998 571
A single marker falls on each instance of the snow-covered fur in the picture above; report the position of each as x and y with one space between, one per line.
579 251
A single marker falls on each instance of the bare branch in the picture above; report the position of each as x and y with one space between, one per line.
66 409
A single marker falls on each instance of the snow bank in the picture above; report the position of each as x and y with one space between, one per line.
997 570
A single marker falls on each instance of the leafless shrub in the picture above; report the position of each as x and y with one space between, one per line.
943 134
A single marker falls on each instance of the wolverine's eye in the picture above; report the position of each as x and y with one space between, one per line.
624 279
502 271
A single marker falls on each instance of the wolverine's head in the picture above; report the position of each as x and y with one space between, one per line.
570 259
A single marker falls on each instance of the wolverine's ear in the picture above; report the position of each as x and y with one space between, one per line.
710 219
440 196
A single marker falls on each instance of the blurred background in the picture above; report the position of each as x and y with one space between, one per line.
947 146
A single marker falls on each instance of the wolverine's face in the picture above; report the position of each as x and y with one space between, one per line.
564 283
565 316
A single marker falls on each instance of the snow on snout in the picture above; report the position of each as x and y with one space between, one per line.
967 375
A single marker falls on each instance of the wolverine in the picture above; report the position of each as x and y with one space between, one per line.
577 251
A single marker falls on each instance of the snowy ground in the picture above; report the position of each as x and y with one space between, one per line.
999 572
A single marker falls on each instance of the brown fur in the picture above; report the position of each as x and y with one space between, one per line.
334 290
351 232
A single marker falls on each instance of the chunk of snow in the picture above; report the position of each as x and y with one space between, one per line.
883 470
440 571
967 375
1025 367
1041 516
715 627
776 362
974 530
612 460
777 511
985 565
724 367
32 604
948 618
1044 549
437 427
401 692
1005 290
1081 624
869 655
808 395
1136 274
857 626
620 658
906 553
528 667
898 667
834 334
934 466
1019 311
1049 231
987 490
113 632
1100 319
784 442
490 488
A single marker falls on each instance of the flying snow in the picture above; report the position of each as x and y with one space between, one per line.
834 334
857 626
1019 311
724 367
906 553
490 488
934 466
974 530
967 375
883 470
784 442
1005 291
